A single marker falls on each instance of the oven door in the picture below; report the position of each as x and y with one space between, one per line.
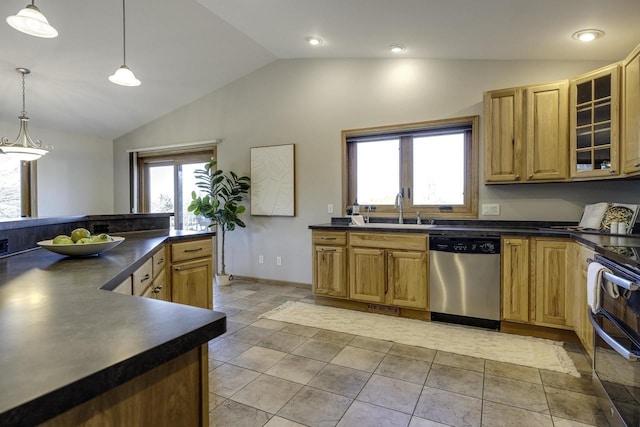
616 369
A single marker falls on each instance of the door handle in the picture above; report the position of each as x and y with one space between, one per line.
619 348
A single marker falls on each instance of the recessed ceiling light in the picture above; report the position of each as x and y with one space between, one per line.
587 35
314 40
397 48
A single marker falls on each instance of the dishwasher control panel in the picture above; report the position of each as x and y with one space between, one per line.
465 245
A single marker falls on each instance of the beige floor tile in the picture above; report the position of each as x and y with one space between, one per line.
340 380
457 380
358 358
421 422
404 368
227 379
574 406
413 352
515 393
251 334
332 336
315 407
240 303
269 324
319 350
561 422
213 363
509 370
262 307
362 414
391 393
215 400
499 415
449 408
246 317
584 384
371 344
258 358
226 349
459 361
305 331
282 341
296 368
232 413
277 421
267 393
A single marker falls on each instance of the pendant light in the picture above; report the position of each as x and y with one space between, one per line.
31 21
123 75
24 147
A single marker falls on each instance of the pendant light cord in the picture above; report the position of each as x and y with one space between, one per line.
24 109
124 35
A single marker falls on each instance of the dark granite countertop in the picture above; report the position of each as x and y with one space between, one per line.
624 249
64 340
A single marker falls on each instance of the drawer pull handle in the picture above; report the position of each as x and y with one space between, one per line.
160 261
177 268
146 277
637 165
193 250
327 238
327 250
157 290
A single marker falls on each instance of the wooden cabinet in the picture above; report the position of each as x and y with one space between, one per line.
160 286
330 264
126 287
631 112
390 269
142 278
515 278
192 273
552 283
526 134
595 105
581 323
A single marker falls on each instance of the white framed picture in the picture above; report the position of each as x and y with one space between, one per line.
273 180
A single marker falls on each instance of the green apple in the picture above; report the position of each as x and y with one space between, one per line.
79 233
62 240
84 240
101 238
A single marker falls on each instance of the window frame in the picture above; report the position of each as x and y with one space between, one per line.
349 173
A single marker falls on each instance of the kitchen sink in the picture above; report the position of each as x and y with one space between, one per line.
394 225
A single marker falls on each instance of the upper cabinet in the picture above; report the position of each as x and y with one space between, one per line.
526 134
595 106
631 112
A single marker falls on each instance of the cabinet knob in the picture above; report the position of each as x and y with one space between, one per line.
530 176
637 165
517 177
612 171
507 242
177 268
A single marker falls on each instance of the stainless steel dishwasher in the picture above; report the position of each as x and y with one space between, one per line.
464 280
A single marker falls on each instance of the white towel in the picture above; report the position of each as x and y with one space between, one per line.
357 220
595 282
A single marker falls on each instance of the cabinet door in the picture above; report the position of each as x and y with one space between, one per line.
142 278
161 288
546 131
515 279
631 112
595 103
329 271
502 138
581 323
552 283
407 279
192 283
367 275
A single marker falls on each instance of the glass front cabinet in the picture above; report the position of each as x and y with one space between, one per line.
594 123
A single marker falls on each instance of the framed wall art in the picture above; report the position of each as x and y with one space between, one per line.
273 180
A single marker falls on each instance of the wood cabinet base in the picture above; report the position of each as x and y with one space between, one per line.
172 394
538 331
362 306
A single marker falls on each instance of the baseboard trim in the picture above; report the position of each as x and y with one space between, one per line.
539 331
272 282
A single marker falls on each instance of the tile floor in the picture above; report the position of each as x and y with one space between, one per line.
268 373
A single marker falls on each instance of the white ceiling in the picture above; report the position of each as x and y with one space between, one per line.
184 49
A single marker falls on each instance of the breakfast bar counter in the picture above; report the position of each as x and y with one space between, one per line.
65 338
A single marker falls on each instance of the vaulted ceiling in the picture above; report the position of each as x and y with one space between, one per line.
184 49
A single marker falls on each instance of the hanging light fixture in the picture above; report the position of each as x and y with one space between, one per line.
31 21
123 75
24 147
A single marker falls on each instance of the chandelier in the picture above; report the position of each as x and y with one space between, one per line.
24 147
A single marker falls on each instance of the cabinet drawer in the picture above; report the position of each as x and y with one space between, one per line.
330 237
416 242
142 277
124 287
194 249
159 260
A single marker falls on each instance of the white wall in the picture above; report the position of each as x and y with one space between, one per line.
308 102
75 178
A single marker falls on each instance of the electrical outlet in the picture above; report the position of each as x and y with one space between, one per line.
261 259
329 208
490 209
278 260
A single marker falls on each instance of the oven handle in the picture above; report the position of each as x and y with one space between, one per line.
619 348
623 283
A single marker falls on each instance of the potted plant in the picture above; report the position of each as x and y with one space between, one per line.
219 201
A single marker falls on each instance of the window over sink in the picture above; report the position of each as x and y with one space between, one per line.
432 165
16 188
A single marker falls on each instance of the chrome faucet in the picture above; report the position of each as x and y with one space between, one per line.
398 205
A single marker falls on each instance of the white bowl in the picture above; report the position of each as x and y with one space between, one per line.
81 249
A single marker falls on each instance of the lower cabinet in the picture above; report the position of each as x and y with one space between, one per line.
389 269
192 273
515 278
330 264
581 323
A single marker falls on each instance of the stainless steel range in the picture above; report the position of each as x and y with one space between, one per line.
617 344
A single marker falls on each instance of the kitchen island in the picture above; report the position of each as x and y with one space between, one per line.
66 339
